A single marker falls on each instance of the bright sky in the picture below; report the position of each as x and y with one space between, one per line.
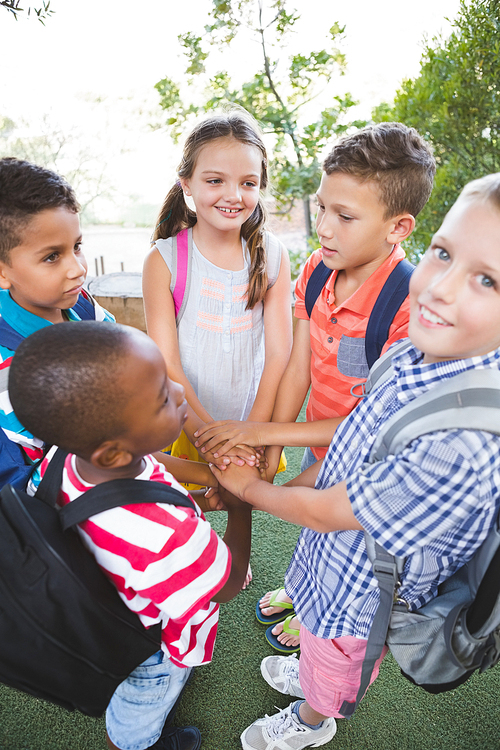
118 49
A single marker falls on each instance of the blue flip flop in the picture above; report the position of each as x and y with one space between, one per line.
273 639
273 602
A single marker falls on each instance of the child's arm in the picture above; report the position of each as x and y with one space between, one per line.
160 321
290 395
283 430
278 342
187 472
294 434
320 510
159 311
238 539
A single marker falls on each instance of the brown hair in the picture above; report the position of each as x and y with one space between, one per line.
26 189
394 156
176 215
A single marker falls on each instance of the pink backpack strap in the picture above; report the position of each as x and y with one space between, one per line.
182 252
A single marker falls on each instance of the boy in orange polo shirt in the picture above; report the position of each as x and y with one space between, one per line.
374 184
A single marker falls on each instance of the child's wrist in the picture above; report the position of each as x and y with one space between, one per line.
250 490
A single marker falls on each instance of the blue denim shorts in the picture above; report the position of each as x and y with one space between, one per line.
308 459
139 706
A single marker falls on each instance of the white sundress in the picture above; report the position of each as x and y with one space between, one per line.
221 343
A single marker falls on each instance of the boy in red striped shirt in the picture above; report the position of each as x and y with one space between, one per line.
105 396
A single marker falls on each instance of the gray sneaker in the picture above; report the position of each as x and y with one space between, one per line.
283 731
282 673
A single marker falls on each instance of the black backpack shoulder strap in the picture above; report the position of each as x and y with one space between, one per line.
390 299
9 337
49 487
317 281
118 492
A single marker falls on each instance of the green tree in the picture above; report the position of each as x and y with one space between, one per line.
455 104
42 12
65 152
281 95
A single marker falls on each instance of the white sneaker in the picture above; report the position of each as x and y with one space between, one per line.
283 731
282 673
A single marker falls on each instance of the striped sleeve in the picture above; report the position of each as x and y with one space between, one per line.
165 561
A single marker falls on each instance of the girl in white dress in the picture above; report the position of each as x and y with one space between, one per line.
230 341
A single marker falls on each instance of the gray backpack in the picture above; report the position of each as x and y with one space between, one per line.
440 645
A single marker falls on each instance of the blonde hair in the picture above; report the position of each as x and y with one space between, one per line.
485 188
176 215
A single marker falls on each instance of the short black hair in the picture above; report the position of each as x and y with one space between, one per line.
64 384
26 189
394 156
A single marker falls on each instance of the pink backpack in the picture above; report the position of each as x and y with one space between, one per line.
181 271
182 255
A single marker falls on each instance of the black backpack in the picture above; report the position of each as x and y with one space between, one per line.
440 645
389 300
65 633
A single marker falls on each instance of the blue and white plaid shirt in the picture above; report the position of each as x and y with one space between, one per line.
434 502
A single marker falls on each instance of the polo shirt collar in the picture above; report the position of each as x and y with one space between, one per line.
23 321
413 377
365 297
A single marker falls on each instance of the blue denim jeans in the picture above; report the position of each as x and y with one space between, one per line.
140 704
308 459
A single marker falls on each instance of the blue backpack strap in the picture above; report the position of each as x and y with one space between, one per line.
15 466
9 337
317 281
390 299
84 307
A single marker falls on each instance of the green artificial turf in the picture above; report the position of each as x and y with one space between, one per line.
227 695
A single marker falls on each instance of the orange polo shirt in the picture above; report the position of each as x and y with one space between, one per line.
338 359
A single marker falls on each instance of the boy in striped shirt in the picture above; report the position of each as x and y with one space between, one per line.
105 396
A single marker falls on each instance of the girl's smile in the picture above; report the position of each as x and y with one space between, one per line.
225 185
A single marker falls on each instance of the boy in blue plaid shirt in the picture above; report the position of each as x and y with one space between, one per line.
434 502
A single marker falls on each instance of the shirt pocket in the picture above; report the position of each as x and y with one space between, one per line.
351 358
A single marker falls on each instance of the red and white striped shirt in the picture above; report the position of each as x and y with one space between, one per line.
165 561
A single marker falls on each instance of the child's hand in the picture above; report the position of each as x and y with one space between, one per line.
229 500
229 432
208 499
236 479
240 455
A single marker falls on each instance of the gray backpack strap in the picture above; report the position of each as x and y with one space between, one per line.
386 569
468 401
380 371
273 258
